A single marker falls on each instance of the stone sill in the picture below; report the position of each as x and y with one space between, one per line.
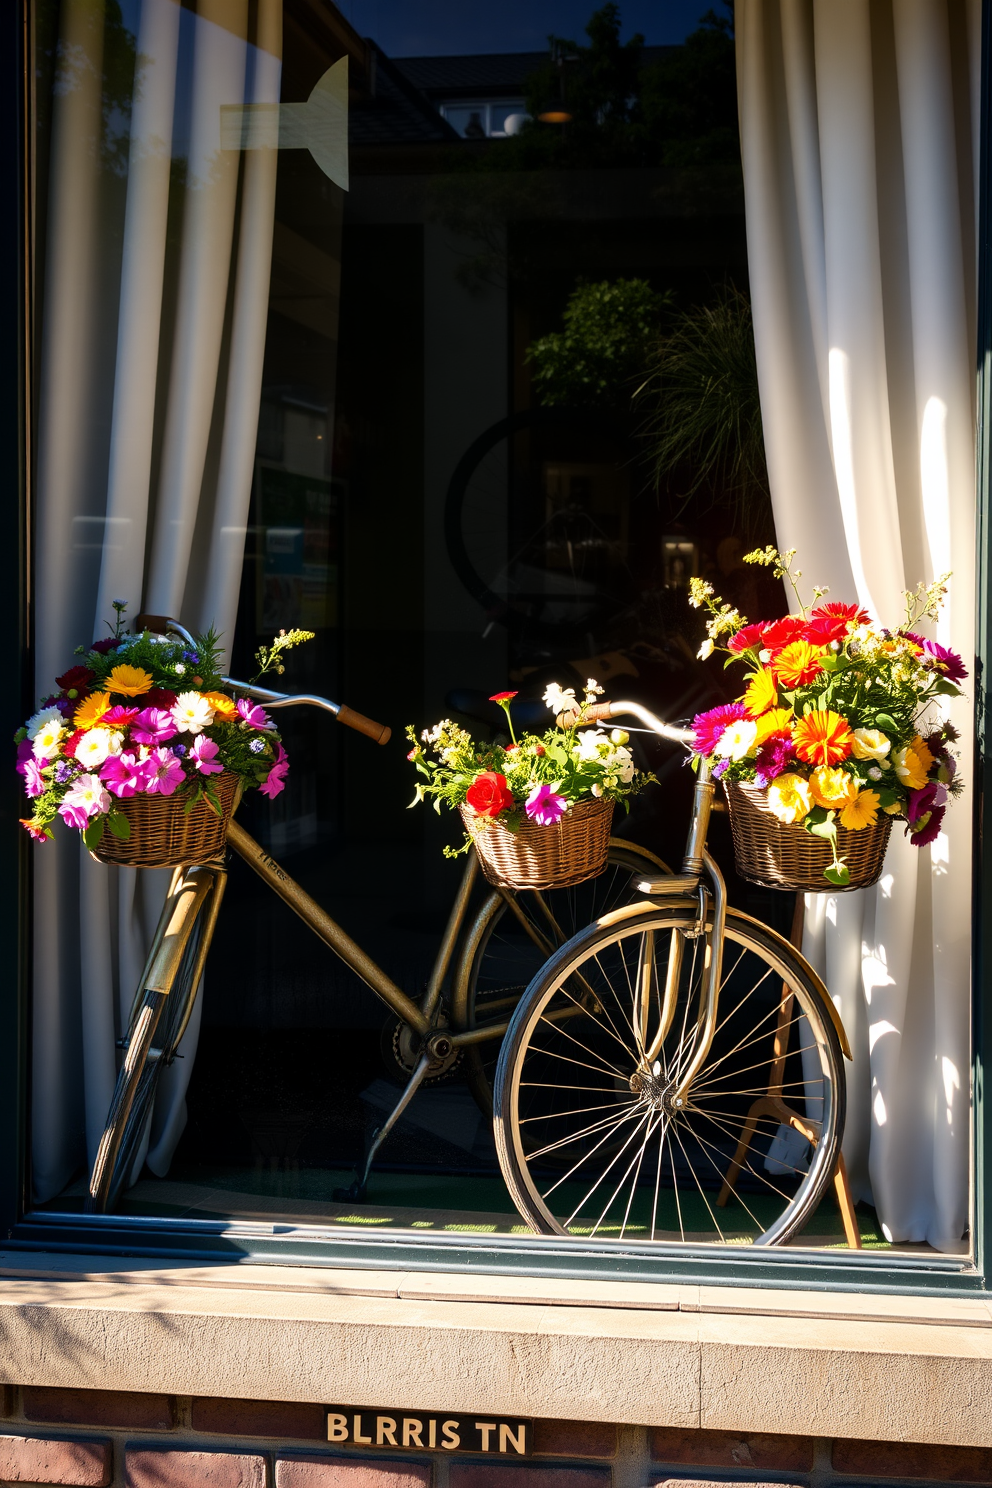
873 1367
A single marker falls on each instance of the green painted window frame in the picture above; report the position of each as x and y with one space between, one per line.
186 1241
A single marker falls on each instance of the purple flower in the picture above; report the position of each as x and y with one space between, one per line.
63 773
544 806
25 751
708 727
931 828
109 643
163 773
34 783
276 778
947 662
153 726
927 798
720 768
253 714
123 774
204 756
771 760
74 816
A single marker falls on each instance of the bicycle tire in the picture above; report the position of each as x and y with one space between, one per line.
571 1042
498 962
159 1018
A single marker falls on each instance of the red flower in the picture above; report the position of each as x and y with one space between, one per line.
110 643
502 697
69 747
842 611
79 677
159 697
120 716
489 794
781 632
824 629
751 638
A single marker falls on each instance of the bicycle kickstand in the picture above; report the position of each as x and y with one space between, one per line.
355 1194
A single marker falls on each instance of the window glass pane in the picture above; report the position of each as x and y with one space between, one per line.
362 325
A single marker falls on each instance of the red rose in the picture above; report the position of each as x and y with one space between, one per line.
79 677
158 697
489 794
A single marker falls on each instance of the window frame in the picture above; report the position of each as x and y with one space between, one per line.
284 1244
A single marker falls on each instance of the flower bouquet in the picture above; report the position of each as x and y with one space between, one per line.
536 809
836 734
143 750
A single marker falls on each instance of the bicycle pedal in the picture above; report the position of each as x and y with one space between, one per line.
353 1195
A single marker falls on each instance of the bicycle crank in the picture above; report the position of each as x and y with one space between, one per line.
401 1049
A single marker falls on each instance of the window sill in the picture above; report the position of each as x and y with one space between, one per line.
721 1358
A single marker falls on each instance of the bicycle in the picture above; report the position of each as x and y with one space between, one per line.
648 1071
487 957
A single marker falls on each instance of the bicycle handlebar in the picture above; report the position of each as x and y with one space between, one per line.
600 711
381 733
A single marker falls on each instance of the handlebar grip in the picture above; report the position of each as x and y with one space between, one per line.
592 714
381 733
157 623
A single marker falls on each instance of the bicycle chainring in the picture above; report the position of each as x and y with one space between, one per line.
401 1050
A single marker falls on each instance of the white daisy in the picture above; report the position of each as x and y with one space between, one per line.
38 721
191 713
46 740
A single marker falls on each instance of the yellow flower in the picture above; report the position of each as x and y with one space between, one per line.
860 812
912 767
92 709
870 744
832 788
760 693
775 721
789 798
223 706
131 681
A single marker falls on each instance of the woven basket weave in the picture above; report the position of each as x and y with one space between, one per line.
535 857
783 855
165 835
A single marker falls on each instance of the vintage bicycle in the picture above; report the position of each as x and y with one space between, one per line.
675 1071
488 954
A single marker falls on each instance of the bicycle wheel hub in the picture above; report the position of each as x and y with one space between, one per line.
655 1089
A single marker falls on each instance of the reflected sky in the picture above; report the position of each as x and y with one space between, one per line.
437 28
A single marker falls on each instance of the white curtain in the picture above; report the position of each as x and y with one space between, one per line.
149 396
859 130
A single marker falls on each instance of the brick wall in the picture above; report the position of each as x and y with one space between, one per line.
109 1439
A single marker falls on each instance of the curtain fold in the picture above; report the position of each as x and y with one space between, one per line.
125 482
859 145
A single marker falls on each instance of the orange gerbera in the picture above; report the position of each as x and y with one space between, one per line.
822 738
797 664
131 681
760 693
775 721
223 706
92 709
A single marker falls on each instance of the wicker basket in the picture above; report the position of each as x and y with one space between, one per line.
165 835
535 857
782 855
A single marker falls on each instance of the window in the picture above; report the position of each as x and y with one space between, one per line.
287 374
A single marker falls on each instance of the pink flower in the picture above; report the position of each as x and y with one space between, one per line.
123 774
153 726
947 662
544 806
163 773
204 756
119 717
86 797
253 714
34 785
276 778
708 728
25 751
73 816
771 760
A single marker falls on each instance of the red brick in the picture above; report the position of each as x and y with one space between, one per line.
574 1439
520 1475
125 1408
181 1469
914 1460
350 1472
284 1418
30 1459
753 1450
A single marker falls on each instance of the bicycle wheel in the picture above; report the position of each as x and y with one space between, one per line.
590 1138
509 942
159 1017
